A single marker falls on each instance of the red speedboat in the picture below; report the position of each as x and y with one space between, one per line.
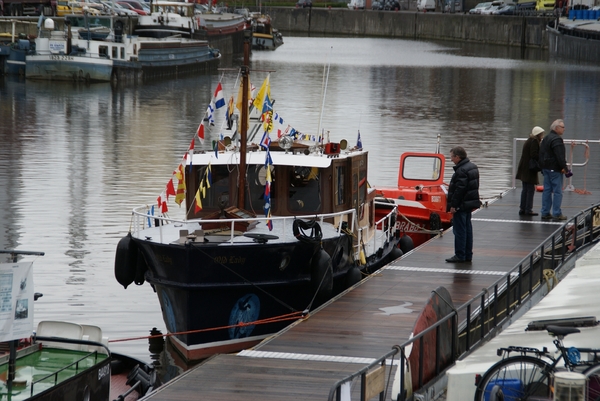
420 197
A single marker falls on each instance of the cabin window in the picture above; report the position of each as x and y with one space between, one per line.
255 197
122 53
340 176
304 189
115 52
422 168
217 196
103 51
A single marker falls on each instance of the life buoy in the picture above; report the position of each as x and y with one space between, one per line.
126 261
321 276
300 227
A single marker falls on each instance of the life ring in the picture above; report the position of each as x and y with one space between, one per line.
321 276
126 261
299 227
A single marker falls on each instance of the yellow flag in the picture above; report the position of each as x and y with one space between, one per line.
265 89
180 175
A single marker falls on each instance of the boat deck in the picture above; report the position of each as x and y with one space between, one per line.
305 360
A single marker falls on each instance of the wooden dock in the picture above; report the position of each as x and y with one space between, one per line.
305 360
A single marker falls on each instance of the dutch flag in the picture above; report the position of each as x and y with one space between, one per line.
219 99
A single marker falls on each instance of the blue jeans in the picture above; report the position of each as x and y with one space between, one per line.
463 235
553 181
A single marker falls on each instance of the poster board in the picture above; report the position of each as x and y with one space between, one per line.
16 300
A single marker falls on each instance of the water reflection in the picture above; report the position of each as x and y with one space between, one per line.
76 159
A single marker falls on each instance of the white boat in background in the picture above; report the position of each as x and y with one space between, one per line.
223 30
95 49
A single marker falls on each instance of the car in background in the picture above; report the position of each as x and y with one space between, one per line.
304 3
493 7
129 6
507 9
377 5
392 5
137 6
477 9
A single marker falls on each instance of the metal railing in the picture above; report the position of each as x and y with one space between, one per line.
572 142
377 237
488 311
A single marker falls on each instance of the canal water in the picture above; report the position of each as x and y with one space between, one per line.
75 159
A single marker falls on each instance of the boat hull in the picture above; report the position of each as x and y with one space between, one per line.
261 41
209 294
55 67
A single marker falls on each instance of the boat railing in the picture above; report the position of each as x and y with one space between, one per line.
142 218
74 364
481 318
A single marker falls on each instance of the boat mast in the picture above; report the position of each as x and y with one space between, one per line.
244 117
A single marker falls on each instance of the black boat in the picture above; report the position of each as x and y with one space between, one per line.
226 277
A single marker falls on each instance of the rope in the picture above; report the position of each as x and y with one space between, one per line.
275 319
550 275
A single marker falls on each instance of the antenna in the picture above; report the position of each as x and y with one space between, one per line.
326 80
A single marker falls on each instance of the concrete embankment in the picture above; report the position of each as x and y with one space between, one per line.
501 30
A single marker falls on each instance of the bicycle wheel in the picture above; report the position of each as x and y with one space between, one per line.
593 383
515 378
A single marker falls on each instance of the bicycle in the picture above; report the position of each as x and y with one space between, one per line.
528 376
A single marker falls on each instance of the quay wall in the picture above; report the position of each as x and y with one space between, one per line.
522 31
519 31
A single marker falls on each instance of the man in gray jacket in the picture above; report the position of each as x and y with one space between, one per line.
463 198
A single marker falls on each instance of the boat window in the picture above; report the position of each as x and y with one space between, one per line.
304 189
340 176
219 185
115 52
421 168
103 51
122 53
255 198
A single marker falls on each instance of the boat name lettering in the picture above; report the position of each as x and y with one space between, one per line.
69 58
406 226
103 371
436 198
230 260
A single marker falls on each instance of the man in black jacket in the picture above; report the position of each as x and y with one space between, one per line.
554 165
463 198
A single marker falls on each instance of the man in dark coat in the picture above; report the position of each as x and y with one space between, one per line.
526 174
463 198
554 165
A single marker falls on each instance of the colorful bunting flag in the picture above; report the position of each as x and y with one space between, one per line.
210 112
265 90
180 175
219 99
358 141
267 197
200 132
229 113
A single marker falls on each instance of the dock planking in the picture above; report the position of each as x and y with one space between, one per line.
303 361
